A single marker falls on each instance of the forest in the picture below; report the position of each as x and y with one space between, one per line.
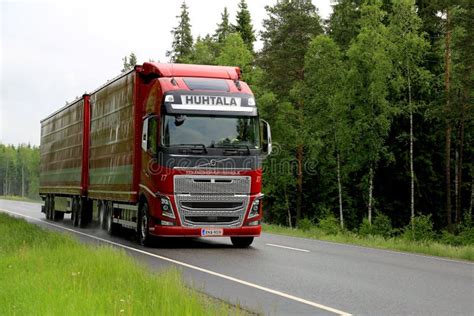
371 109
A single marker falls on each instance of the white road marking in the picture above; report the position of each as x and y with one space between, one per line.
398 252
223 276
286 247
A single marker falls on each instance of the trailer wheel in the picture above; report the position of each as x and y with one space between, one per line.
143 233
110 226
50 210
102 214
47 205
81 221
241 242
74 215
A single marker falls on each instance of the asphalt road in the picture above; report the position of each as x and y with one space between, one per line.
282 275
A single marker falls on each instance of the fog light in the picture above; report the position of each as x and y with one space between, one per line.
254 223
167 223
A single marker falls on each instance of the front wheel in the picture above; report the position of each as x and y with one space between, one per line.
241 242
143 234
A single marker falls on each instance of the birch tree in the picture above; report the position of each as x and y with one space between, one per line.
369 75
325 88
407 51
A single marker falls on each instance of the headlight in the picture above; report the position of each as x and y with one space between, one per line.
255 210
251 102
166 209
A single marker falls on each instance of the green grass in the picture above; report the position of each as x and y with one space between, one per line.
48 273
394 243
19 198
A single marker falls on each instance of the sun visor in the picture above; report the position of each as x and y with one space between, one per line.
187 102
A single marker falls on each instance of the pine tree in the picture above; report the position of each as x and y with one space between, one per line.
343 24
244 26
223 28
181 47
129 62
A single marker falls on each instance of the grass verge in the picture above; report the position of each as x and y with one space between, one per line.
43 272
394 243
19 198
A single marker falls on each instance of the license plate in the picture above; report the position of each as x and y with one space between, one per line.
205 232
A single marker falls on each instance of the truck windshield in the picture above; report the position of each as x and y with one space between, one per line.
211 131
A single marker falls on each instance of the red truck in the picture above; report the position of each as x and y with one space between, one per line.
164 149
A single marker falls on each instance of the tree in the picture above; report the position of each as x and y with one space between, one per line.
129 62
223 28
181 47
19 170
289 28
462 85
235 53
370 67
204 51
407 51
343 24
325 77
244 26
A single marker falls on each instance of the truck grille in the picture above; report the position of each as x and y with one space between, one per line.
212 200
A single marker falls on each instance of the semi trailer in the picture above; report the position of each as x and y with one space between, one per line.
163 149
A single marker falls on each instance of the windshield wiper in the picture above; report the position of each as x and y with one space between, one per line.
234 148
192 147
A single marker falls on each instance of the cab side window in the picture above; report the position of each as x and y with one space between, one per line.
152 142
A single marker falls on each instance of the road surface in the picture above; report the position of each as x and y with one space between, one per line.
281 275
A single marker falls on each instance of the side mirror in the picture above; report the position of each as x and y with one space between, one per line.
267 137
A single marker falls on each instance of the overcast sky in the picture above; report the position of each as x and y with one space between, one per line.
53 51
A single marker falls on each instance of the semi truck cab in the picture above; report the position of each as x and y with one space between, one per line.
203 147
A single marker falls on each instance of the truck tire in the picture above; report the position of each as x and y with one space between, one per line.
75 207
81 221
46 206
102 214
50 211
110 226
84 212
143 234
241 242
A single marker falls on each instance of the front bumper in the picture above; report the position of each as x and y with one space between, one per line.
179 231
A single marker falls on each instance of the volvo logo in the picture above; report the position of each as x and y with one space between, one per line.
212 162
